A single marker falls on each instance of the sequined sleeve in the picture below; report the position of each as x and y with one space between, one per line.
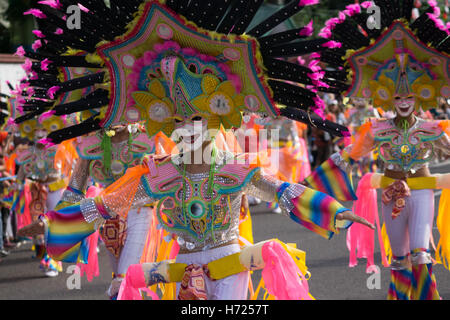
443 144
76 190
313 209
119 202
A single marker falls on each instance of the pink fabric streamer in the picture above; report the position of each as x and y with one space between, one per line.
360 239
133 282
281 275
91 268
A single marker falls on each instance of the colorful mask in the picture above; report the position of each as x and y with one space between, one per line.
404 60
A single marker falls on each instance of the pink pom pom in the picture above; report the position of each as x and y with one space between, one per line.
59 31
52 3
35 12
38 33
332 44
308 30
304 3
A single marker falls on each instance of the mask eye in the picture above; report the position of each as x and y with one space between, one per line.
193 68
178 120
197 118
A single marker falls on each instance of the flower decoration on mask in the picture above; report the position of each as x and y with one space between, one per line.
157 107
426 92
383 92
27 129
221 102
53 123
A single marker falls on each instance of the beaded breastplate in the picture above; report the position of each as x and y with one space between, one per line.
124 155
38 163
205 218
406 149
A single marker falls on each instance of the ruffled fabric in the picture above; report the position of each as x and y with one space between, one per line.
282 278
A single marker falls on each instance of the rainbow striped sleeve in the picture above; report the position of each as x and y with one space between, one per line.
329 178
314 210
66 234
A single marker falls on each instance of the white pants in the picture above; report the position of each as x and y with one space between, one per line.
138 224
53 198
234 287
412 228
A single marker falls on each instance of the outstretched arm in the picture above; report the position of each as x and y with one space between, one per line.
67 228
314 210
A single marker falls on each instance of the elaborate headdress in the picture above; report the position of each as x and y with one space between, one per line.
392 57
155 61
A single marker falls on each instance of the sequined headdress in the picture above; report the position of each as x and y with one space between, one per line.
392 57
156 61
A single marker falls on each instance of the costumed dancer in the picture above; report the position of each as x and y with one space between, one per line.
47 181
105 157
284 152
402 66
181 69
358 116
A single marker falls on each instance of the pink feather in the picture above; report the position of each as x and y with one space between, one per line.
38 33
366 4
35 12
59 31
27 65
20 51
52 3
83 8
304 3
51 92
325 33
332 44
308 30
36 45
45 63
46 115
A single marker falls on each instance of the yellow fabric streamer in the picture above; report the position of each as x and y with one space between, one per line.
443 224
386 243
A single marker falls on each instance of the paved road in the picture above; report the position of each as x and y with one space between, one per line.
331 278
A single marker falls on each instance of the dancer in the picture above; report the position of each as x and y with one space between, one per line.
190 78
105 157
403 66
37 164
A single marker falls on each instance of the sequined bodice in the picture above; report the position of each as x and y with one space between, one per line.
201 215
406 149
38 163
124 155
